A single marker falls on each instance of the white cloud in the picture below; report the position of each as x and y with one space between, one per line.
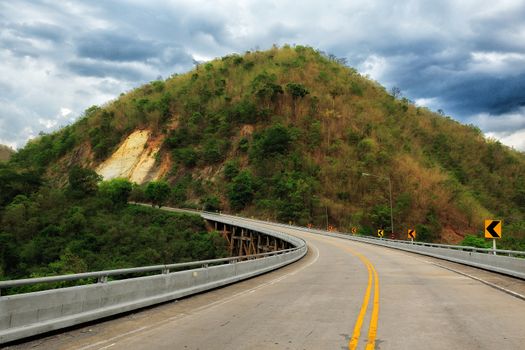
64 112
374 66
514 139
498 62
429 102
47 123
508 128
500 123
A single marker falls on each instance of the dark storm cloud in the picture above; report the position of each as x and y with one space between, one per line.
462 91
104 69
477 94
171 57
445 67
115 47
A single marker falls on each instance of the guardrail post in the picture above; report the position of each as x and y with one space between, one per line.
102 279
165 271
204 266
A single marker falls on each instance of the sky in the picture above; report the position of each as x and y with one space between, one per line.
57 58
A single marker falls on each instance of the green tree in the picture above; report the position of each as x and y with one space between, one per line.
211 203
297 91
137 193
116 190
231 169
158 192
265 88
272 141
380 216
213 151
13 183
186 156
83 181
68 263
241 190
179 192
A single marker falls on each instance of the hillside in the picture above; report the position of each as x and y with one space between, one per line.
5 153
286 134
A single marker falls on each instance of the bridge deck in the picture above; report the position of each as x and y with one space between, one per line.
315 304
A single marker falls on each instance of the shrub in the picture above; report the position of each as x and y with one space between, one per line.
213 151
83 181
180 137
297 90
158 192
231 169
274 140
137 193
187 156
116 190
211 203
241 190
265 88
244 145
474 241
244 111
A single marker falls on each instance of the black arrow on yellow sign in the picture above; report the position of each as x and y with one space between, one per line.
492 228
411 234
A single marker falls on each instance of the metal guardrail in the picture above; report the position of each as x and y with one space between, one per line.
102 276
454 247
28 314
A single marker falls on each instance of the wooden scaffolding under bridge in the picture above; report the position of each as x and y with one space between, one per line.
242 241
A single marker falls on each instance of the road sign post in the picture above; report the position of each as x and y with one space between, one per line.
493 231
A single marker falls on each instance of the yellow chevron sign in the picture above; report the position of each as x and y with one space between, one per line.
380 233
411 233
493 228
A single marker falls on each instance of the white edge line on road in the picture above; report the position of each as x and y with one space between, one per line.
490 284
204 307
111 339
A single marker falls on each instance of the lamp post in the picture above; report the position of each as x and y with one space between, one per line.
390 190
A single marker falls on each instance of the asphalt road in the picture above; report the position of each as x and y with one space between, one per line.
342 295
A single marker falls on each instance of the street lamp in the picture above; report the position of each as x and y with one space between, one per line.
390 188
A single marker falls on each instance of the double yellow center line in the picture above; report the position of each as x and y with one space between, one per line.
372 328
373 281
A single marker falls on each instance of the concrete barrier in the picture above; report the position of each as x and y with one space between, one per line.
507 265
25 315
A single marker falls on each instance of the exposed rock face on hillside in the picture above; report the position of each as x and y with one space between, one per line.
134 159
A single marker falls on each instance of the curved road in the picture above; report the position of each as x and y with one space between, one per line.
342 295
